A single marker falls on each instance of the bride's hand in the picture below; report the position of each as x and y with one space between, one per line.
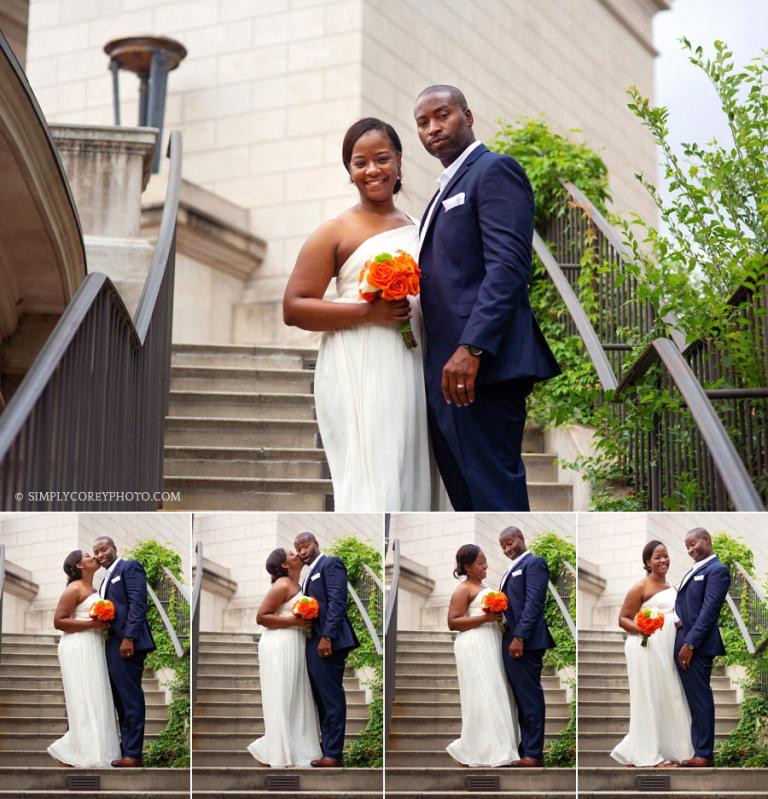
97 624
388 312
299 622
491 617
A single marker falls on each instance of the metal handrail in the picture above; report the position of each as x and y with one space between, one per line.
180 587
753 647
390 638
96 298
559 601
740 624
194 612
177 647
367 620
374 577
750 580
724 455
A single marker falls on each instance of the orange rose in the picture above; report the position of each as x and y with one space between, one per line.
397 288
380 275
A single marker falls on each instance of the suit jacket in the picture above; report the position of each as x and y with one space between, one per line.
526 590
476 263
698 606
328 585
127 589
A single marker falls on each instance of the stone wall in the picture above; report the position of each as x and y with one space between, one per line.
611 544
430 540
39 542
268 89
237 545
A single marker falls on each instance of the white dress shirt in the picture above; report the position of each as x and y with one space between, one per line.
693 569
309 572
442 181
105 581
512 565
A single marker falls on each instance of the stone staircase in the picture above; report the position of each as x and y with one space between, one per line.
426 717
227 716
33 715
603 720
241 434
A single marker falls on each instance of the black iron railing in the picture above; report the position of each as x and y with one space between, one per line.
390 638
563 589
368 596
750 609
195 617
715 448
172 602
84 430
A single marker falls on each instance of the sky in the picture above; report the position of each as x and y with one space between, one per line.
694 110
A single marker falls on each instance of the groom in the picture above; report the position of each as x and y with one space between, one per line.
526 638
699 598
128 644
484 348
331 640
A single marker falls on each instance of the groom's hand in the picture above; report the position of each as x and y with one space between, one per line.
325 647
516 648
126 648
459 375
684 657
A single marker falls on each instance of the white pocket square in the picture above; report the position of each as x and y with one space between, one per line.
314 577
116 579
517 573
700 577
452 202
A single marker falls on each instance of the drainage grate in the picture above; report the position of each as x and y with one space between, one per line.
286 782
83 782
486 783
653 782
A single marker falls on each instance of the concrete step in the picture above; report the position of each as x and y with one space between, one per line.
229 379
55 726
454 779
211 638
596 695
256 778
205 431
18 741
607 656
55 708
451 682
356 708
541 467
615 679
18 681
431 697
549 496
58 794
587 636
451 725
234 741
601 646
421 636
705 780
265 463
605 741
29 648
243 355
480 794
223 668
241 404
452 708
31 638
201 493
219 701
40 658
293 794
726 708
217 682
725 721
253 726
437 742
55 777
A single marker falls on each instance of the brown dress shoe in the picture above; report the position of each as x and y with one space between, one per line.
698 762
526 762
327 762
127 762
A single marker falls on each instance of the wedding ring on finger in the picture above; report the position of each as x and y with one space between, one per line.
460 385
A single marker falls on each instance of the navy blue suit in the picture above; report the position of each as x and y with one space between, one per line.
698 608
476 263
328 585
127 589
526 590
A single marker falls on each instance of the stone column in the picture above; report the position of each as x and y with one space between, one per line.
108 169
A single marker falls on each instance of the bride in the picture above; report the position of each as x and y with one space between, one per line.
91 738
489 730
291 728
369 388
659 718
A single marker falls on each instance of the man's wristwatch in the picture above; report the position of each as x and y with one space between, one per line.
476 351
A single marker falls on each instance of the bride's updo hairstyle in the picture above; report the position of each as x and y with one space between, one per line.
275 563
648 551
70 566
360 128
466 556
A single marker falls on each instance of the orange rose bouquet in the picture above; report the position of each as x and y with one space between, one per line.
103 610
495 602
394 277
649 620
306 607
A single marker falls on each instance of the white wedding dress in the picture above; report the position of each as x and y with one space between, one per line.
91 740
370 399
489 728
659 718
291 729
